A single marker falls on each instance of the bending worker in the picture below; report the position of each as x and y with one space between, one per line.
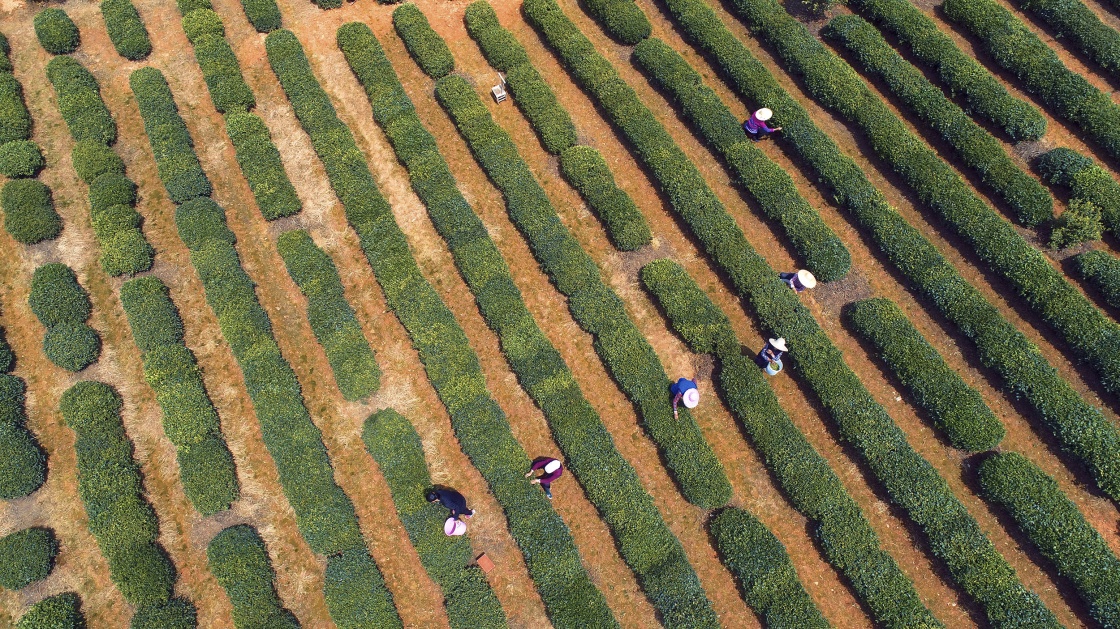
684 389
800 281
552 469
451 499
772 352
756 128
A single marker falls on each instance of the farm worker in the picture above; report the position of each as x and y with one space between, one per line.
451 499
756 128
684 389
799 281
772 352
551 470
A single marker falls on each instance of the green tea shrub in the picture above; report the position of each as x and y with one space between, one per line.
264 15
1084 179
424 44
621 19
239 561
57 297
126 29
171 142
5 54
186 6
79 100
222 73
61 611
1081 222
7 356
200 221
15 120
201 22
57 33
29 214
72 346
1079 25
356 593
260 162
93 159
176 613
1101 271
23 463
332 319
587 171
26 556
20 158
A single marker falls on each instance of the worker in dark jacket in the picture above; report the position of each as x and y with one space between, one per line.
772 352
451 499
800 281
551 469
684 390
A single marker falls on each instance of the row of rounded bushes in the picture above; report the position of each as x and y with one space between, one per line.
847 540
976 148
1101 271
956 409
622 19
1085 180
909 479
424 44
594 305
1059 531
395 445
190 421
815 243
332 319
1078 25
171 142
581 166
451 365
79 100
1081 428
260 162
220 68
325 516
589 451
63 306
264 15
27 556
1019 51
110 485
61 611
23 463
239 561
126 29
983 95
56 32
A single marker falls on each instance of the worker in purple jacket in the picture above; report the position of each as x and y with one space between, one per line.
756 128
551 470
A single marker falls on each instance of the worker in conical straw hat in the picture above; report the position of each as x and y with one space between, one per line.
800 281
756 128
772 352
684 390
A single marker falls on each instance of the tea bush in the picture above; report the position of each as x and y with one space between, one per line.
61 611
396 447
57 33
126 29
26 556
260 162
1055 526
1079 223
264 15
15 120
1101 271
621 19
451 364
239 561
424 44
223 76
976 148
173 614
332 319
93 159
760 562
189 418
20 158
23 463
201 21
29 214
956 409
171 142
355 592
5 53
587 171
79 100
1084 179
1078 25
7 357
63 306
72 346
117 225
965 77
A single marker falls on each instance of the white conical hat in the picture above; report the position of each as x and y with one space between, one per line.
806 278
453 527
691 398
763 114
780 344
551 466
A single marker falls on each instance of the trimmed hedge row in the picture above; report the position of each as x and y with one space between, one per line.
57 33
1019 51
621 19
171 142
26 556
581 166
910 480
109 483
760 562
7 356
63 306
594 305
20 158
1080 427
239 561
1101 271
260 162
61 611
173 614
29 214
1085 180
189 418
1077 24
222 74
15 120
424 44
126 29
79 100
607 478
976 148
264 15
23 463
962 74
957 409
396 447
847 540
200 21
1090 335
332 319
1057 529
325 516
452 366
815 243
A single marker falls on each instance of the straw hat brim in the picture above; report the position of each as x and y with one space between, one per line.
691 398
806 278
780 344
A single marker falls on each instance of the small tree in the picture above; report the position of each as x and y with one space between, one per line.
1081 222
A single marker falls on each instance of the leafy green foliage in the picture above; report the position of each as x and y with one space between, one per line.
1078 25
260 162
15 120
622 19
1085 180
20 158
61 611
126 29
79 99
223 76
962 74
171 142
57 33
72 346
451 364
117 225
1101 271
173 614
956 408
1057 529
396 447
424 44
239 561
5 54
264 15
23 463
7 356
29 214
1081 222
26 556
93 159
975 147
332 319
202 21
63 306
355 592
761 564
587 171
